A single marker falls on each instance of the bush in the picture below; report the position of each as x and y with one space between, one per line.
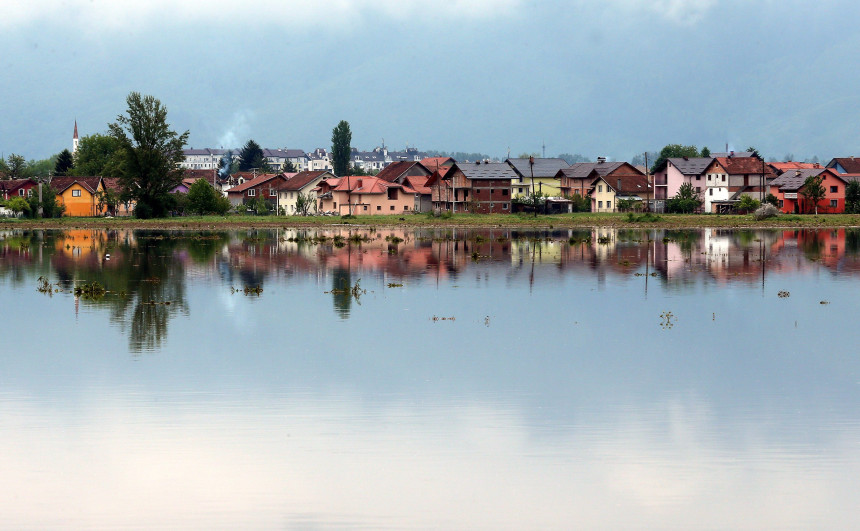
766 211
747 204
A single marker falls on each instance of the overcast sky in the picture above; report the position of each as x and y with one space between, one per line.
596 77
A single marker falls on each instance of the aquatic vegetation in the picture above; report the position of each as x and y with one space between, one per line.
783 294
94 290
668 320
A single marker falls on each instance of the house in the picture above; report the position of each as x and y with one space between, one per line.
201 159
845 165
396 172
540 176
305 183
677 171
781 167
17 187
788 189
265 186
478 187
423 193
364 195
122 209
605 192
79 195
276 158
581 178
319 159
440 164
731 177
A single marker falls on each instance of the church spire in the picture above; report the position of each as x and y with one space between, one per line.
75 139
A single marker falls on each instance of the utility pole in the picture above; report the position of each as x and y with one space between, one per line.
647 185
534 197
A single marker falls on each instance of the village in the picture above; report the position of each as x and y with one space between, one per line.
292 182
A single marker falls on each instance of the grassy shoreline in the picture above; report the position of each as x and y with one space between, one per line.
559 221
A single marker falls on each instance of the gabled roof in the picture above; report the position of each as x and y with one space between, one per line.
361 185
542 167
483 170
433 163
691 165
734 154
629 184
61 184
582 170
744 165
395 170
13 184
284 153
111 183
780 167
793 180
261 179
850 164
417 183
302 179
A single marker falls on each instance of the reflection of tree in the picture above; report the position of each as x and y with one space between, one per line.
341 284
852 241
812 243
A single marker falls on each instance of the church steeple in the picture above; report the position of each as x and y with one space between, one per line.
75 139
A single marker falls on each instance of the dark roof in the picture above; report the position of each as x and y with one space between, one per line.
691 165
484 170
794 179
738 154
395 170
302 179
14 184
112 183
91 184
542 167
284 153
261 179
850 164
581 170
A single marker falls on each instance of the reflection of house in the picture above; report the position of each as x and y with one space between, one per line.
545 173
365 196
79 195
301 183
480 187
788 189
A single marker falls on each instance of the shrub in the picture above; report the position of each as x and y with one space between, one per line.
766 211
748 204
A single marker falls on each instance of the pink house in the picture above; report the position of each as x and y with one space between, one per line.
365 196
677 171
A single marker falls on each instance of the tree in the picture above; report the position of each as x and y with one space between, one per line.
50 207
748 204
687 200
64 163
357 170
341 147
304 203
98 155
288 167
672 151
18 205
705 152
151 153
573 158
852 197
772 199
813 191
203 199
16 166
107 200
251 157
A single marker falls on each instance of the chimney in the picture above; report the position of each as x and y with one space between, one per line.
732 153
601 160
797 173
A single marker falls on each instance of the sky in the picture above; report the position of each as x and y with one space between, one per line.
607 78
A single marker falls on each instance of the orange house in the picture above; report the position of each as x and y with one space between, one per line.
788 189
78 194
365 196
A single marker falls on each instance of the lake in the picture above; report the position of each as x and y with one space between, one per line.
430 379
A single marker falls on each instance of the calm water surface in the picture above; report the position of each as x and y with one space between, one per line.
444 379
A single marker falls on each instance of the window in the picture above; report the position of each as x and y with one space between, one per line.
76 193
392 207
392 193
698 177
334 205
378 207
780 203
406 207
600 204
491 191
833 203
504 206
711 191
609 204
252 192
505 191
365 207
599 187
834 189
724 178
698 189
21 192
521 190
709 176
272 192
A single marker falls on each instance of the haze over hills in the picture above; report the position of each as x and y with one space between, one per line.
611 78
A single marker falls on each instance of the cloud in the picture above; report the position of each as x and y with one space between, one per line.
129 15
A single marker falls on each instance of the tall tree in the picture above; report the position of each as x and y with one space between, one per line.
288 167
671 151
151 152
251 157
341 147
98 155
813 191
852 197
64 163
16 166
705 152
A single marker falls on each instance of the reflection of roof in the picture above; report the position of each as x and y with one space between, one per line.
90 184
302 179
485 170
691 165
794 179
542 167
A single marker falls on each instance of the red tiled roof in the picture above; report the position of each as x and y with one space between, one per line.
363 185
302 179
418 184
90 184
785 166
14 184
629 184
744 165
112 183
261 179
